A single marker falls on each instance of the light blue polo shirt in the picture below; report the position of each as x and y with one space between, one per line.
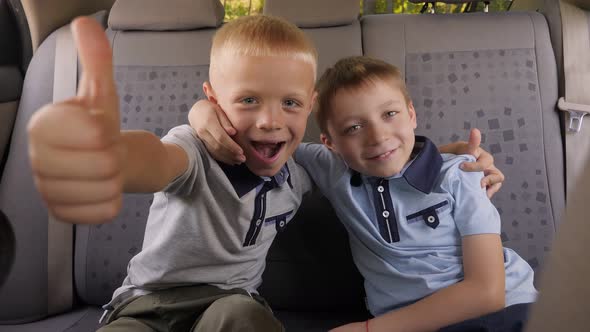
405 231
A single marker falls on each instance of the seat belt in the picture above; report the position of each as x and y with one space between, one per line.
60 236
576 99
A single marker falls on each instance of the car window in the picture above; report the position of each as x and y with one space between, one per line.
237 8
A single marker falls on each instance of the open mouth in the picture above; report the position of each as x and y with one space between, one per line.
267 151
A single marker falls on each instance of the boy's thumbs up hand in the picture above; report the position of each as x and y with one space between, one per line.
97 88
75 149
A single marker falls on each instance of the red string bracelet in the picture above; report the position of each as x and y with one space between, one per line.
367 325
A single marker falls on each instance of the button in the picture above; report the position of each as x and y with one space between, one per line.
258 222
380 189
282 223
431 219
385 213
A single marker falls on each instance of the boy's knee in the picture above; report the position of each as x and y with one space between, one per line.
237 313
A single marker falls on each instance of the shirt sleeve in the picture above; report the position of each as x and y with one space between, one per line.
306 185
473 212
184 136
323 166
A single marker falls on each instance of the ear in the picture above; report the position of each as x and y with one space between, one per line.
312 103
209 92
412 113
314 98
328 142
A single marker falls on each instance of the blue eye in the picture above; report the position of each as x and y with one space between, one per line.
352 129
248 100
290 103
390 114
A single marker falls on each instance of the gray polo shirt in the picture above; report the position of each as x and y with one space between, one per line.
405 231
213 224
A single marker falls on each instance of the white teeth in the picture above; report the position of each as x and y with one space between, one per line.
268 150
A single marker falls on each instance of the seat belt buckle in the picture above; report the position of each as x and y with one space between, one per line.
576 112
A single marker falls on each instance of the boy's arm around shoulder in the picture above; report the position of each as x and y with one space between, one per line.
493 178
323 166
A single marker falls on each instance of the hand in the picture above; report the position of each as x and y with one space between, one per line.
493 177
74 145
214 129
352 327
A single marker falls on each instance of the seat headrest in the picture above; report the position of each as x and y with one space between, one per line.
159 15
314 13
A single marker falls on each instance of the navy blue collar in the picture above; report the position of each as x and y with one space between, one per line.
244 181
423 169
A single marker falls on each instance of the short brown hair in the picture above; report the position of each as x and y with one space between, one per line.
262 35
352 73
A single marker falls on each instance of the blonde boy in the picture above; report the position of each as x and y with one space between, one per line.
210 225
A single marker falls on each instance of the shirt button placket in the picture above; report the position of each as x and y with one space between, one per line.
383 207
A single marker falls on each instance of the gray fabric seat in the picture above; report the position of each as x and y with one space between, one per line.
464 76
310 280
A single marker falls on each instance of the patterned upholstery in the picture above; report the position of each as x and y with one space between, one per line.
154 99
497 92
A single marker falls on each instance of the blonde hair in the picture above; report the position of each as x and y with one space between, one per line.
262 35
353 73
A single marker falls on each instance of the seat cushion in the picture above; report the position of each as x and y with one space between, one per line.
82 319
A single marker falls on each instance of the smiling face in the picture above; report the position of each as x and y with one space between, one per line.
372 128
268 100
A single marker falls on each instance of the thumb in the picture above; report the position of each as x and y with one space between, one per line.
97 85
474 141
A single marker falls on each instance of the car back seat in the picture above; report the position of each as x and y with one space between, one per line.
160 64
495 72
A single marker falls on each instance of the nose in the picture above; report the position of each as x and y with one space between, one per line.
376 134
270 118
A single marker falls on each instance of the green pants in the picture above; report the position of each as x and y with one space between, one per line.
193 309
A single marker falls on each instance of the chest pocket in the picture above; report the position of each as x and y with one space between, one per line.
431 215
280 220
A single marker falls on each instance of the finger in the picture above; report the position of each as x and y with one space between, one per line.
225 122
48 162
217 151
492 190
491 179
76 192
80 131
96 213
484 161
97 85
228 144
474 141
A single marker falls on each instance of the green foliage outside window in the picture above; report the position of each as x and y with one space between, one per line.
237 8
406 7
